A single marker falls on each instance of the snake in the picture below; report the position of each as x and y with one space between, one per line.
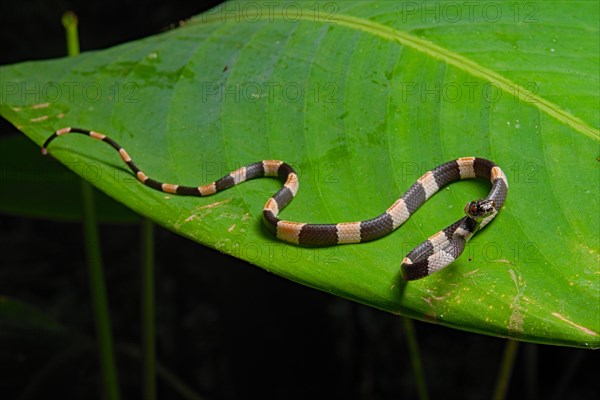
433 254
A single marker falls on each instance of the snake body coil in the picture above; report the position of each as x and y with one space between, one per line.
432 255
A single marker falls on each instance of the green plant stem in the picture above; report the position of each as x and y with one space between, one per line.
94 257
147 301
531 370
98 292
69 21
415 357
506 367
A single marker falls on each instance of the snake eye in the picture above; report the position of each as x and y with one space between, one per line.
471 208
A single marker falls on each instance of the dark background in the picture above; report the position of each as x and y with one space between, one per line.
226 328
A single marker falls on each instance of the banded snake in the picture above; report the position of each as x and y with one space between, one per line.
435 253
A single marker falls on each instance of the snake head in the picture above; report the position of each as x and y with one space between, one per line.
480 209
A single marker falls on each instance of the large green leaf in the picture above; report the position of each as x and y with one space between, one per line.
362 97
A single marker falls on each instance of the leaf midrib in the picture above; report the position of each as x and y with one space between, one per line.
435 51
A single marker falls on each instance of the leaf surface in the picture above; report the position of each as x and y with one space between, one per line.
362 98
